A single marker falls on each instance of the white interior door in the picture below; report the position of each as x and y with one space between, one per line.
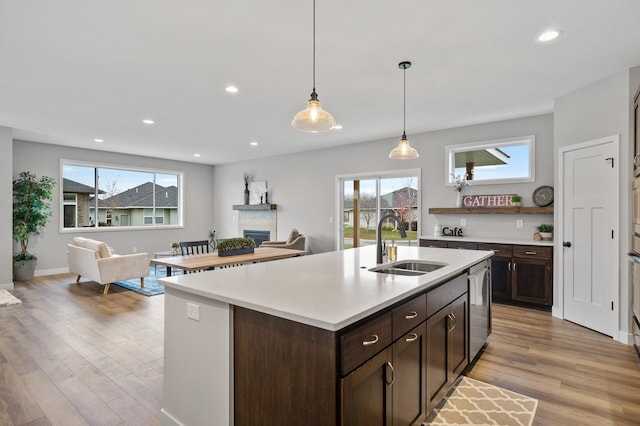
590 224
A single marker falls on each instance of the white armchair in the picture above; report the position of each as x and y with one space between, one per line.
96 261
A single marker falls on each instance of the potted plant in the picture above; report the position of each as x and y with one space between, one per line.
31 210
516 200
175 247
546 232
233 246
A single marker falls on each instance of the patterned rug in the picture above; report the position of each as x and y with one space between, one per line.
8 299
476 403
151 285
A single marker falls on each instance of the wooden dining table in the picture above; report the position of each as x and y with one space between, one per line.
204 261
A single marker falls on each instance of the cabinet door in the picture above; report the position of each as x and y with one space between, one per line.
437 357
501 279
458 337
366 393
462 245
433 243
409 377
531 281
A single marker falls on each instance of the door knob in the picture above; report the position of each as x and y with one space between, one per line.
566 244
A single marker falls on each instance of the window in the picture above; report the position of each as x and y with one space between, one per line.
107 197
499 161
366 198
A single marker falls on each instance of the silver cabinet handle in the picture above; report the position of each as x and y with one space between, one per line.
530 253
509 266
393 375
411 338
636 160
455 320
371 341
411 315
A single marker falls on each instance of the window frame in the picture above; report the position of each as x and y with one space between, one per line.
528 140
96 228
387 174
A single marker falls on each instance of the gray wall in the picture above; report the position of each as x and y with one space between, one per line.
50 245
303 185
603 108
6 215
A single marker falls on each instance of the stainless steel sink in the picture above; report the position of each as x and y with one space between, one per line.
408 267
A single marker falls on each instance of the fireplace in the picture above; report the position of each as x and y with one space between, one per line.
258 236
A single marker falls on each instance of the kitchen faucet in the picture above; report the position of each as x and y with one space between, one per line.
403 234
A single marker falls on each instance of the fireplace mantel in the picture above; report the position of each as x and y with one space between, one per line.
255 207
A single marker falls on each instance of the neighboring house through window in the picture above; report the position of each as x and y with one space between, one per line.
103 196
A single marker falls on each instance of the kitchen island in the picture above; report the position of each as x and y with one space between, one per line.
269 343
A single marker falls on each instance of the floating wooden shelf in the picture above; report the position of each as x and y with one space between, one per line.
501 210
255 206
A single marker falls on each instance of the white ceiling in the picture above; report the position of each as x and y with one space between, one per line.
75 70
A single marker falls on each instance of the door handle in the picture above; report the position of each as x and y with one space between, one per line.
393 374
566 244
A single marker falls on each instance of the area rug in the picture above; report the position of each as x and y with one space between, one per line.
151 285
477 403
8 299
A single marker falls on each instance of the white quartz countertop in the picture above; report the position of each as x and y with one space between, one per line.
496 240
327 290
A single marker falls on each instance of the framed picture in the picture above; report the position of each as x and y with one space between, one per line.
257 190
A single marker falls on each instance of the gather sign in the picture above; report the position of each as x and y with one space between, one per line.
487 201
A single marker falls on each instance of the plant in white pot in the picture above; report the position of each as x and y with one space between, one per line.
31 210
546 232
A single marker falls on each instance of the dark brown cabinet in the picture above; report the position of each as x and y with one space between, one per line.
532 275
636 135
379 371
520 274
447 349
388 389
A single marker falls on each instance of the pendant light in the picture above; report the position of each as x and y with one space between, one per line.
313 119
404 151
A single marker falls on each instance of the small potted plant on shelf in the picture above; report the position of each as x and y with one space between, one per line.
516 201
175 247
546 232
234 246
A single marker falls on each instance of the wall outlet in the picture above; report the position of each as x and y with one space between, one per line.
193 311
519 223
330 219
463 222
134 249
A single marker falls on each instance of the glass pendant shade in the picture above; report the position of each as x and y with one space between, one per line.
313 119
403 151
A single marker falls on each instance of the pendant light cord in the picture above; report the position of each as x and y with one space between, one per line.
314 45
404 106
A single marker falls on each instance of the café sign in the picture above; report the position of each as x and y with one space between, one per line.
491 201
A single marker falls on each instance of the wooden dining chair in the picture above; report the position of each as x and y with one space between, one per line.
194 247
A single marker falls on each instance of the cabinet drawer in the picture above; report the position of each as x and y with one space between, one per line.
408 315
468 245
533 252
433 243
362 343
501 250
445 294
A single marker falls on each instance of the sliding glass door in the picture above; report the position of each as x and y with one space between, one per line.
365 199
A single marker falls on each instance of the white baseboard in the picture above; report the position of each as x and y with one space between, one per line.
6 286
43 272
624 337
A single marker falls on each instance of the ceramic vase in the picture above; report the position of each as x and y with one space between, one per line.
459 199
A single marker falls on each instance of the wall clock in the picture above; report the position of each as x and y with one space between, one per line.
543 196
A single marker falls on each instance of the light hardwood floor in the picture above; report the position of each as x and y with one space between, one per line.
71 356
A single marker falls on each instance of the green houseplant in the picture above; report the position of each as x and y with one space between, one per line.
546 231
516 200
233 246
31 210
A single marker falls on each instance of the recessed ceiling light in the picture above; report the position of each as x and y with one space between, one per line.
148 121
98 140
549 35
337 126
231 89
196 155
253 143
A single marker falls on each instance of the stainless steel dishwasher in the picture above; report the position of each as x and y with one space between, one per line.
479 306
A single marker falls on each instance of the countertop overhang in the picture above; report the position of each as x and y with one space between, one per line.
328 290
